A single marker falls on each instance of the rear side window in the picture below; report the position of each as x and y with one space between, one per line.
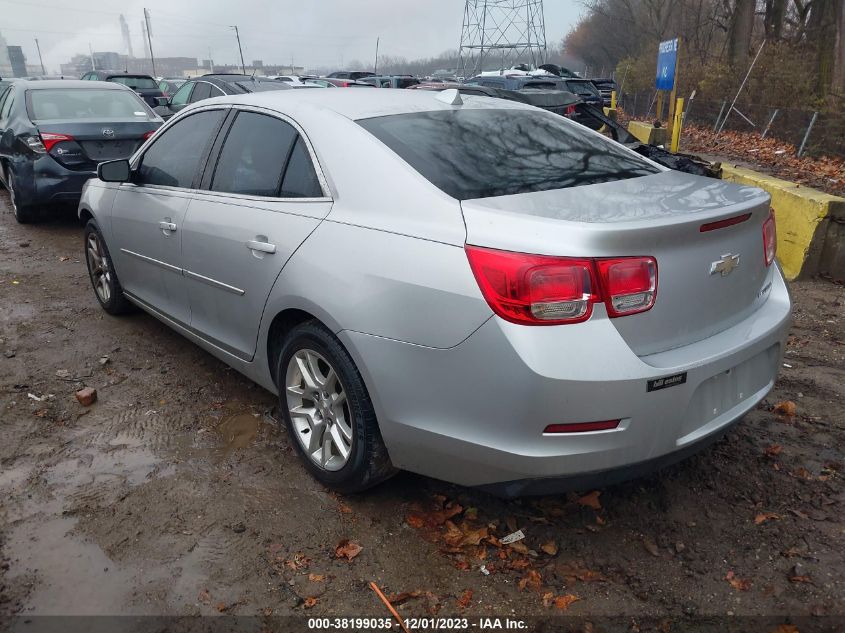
253 156
85 103
174 158
300 178
202 90
484 153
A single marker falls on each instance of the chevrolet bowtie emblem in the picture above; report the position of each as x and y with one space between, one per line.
725 266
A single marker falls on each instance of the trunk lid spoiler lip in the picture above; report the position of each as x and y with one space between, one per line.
635 203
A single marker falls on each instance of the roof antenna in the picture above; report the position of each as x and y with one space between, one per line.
450 97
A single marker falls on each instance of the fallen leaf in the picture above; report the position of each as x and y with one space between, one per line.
548 598
574 571
765 516
221 607
787 408
344 509
347 549
463 601
316 577
399 598
309 602
471 514
563 602
651 547
532 580
415 521
773 450
591 500
797 579
204 597
740 584
786 628
550 548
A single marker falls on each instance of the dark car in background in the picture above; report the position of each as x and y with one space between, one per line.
53 134
605 88
207 86
354 75
391 81
518 82
169 86
144 85
334 82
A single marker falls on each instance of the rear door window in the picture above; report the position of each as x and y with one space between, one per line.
477 153
254 154
174 158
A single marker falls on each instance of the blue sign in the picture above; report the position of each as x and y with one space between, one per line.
667 57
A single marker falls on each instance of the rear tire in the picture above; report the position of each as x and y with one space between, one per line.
328 412
24 213
101 272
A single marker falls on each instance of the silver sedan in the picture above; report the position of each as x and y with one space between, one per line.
468 288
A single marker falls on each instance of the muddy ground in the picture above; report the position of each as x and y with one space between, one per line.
176 493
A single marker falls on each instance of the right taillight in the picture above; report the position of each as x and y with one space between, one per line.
770 238
543 290
629 284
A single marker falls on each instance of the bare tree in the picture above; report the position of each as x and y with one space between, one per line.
741 28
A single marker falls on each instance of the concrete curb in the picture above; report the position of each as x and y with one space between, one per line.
810 224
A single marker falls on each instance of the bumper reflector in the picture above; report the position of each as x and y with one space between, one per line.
582 427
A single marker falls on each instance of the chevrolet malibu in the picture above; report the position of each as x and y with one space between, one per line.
468 288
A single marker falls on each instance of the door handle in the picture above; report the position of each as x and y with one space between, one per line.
262 247
167 226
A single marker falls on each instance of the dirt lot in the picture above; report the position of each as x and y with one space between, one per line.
176 493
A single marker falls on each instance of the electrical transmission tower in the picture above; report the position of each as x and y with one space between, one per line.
498 34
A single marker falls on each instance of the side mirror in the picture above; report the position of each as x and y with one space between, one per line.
114 171
162 101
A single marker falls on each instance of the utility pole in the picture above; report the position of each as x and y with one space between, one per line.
240 50
210 62
375 65
150 40
41 59
91 51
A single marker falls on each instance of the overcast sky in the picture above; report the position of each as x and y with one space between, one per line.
322 33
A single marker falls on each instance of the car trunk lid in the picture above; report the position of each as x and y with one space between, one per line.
660 216
95 142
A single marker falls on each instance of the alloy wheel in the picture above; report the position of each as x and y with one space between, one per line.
319 409
98 267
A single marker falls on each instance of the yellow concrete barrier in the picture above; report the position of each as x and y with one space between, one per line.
647 133
810 224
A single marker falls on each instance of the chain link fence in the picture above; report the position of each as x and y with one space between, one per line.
824 132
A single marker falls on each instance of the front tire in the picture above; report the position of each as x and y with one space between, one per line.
328 412
24 213
101 272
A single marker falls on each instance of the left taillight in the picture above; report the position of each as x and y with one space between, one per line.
148 134
45 141
543 290
770 238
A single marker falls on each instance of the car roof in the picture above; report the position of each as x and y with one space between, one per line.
41 84
358 104
120 73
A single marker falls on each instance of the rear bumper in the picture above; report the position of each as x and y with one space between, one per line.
44 181
475 414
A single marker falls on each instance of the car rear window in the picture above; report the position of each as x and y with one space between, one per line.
85 103
477 153
134 82
583 88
